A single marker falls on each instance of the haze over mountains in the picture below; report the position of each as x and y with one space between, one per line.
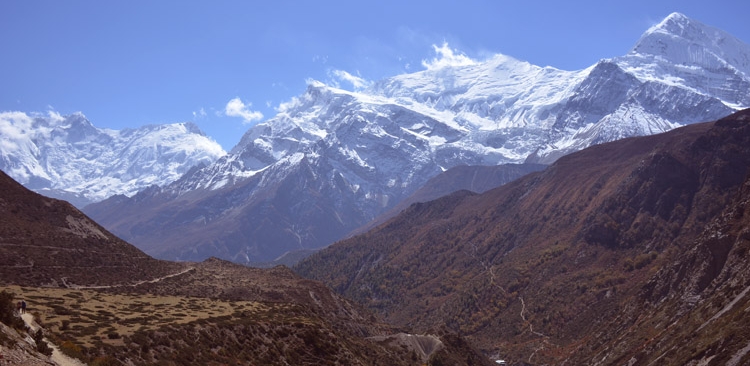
333 160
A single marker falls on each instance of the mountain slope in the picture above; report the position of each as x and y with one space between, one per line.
98 284
333 160
68 158
624 253
477 179
44 241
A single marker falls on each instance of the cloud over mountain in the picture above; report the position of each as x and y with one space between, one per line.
236 108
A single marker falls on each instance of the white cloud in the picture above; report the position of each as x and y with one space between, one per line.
199 114
236 108
356 81
55 116
447 56
14 127
284 107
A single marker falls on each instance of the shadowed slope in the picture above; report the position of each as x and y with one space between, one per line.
47 241
478 179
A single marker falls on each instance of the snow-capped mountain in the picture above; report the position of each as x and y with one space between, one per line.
67 157
332 160
519 111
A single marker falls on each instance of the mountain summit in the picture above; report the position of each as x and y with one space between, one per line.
687 53
686 41
332 160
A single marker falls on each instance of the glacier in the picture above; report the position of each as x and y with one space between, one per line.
67 157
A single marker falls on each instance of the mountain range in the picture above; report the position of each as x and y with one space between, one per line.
629 252
67 157
632 252
495 210
334 160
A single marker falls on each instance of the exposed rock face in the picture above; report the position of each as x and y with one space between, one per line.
478 179
18 348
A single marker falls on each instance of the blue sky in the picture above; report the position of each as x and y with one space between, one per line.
223 64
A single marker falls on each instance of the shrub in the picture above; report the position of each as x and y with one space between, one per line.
41 345
8 311
71 349
105 361
645 259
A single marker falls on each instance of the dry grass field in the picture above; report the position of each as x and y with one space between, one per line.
104 328
92 316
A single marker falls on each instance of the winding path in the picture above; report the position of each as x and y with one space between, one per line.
57 357
77 287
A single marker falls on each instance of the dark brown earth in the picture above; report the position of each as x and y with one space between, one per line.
44 241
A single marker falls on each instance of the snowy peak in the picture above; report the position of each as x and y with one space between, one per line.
192 128
441 87
679 25
685 41
502 109
68 157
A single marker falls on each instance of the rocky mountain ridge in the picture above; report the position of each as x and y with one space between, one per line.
45 241
333 160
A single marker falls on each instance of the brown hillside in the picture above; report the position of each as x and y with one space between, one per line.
44 241
101 300
301 322
624 253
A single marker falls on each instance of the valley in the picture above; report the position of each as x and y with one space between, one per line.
459 215
622 252
102 301
220 313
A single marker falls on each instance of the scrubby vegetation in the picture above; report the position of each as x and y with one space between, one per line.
8 314
99 328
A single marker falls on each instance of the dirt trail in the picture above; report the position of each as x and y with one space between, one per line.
77 287
57 357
